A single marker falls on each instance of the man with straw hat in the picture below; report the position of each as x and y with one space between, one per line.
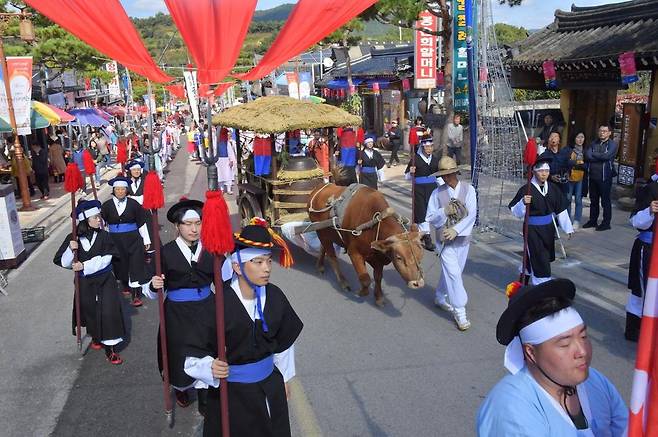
452 210
552 390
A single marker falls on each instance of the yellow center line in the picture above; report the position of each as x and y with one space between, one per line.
302 410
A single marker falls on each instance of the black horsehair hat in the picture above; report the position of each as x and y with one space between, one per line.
259 235
544 157
524 298
177 210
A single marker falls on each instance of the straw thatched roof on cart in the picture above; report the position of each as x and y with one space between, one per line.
276 114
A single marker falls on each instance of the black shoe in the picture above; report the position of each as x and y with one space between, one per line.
603 227
427 243
589 224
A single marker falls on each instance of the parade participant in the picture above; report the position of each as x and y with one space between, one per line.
135 169
187 272
547 206
422 168
552 390
318 148
126 223
371 162
642 218
261 328
226 160
100 308
452 210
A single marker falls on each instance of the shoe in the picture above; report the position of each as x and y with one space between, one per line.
137 302
576 225
603 227
459 314
589 224
427 243
443 304
96 345
182 399
388 165
114 358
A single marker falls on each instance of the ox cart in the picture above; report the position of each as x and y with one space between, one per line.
271 183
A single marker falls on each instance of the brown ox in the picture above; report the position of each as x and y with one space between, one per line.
378 245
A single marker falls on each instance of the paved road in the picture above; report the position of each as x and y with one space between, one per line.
403 370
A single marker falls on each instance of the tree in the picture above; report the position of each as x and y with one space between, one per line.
507 34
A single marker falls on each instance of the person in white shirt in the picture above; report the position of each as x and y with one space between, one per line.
455 138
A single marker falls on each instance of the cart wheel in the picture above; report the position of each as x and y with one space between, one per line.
249 209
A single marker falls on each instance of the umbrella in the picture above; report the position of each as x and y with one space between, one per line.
52 113
37 121
116 110
103 114
88 117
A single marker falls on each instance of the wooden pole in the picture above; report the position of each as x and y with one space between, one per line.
76 276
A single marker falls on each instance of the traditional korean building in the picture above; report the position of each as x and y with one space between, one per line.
585 45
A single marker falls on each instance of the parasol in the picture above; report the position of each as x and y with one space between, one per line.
88 116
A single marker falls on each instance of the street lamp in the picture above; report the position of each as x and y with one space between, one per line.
27 34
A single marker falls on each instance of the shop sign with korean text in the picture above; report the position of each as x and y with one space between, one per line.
460 57
425 51
20 82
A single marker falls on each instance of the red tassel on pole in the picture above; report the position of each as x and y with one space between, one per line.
216 231
122 154
88 161
153 192
529 158
73 182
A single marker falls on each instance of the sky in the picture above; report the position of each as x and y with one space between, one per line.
533 14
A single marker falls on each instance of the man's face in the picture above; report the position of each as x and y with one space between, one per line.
554 140
428 148
457 120
542 175
257 269
120 192
548 120
190 230
567 357
604 133
136 172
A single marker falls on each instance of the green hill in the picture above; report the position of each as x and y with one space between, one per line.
279 13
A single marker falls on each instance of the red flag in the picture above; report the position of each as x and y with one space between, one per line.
643 418
530 152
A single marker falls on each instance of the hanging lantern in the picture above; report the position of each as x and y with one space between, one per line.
405 85
550 77
375 87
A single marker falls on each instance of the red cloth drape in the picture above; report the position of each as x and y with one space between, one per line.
221 88
176 90
213 31
308 23
105 26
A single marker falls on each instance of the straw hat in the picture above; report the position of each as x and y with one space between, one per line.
447 165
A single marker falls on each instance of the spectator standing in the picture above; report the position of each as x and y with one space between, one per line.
549 127
599 157
559 164
395 137
576 154
56 155
455 139
40 167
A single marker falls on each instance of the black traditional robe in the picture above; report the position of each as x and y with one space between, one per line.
130 265
136 189
100 307
541 238
423 188
638 269
186 321
369 167
246 342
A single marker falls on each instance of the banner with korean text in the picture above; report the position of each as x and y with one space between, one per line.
192 93
20 82
113 88
460 57
425 51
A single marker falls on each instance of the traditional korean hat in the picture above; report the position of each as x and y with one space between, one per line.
134 163
427 141
369 140
87 208
447 165
185 209
119 181
543 161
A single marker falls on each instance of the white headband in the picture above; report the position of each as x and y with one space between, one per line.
368 140
135 166
542 166
537 333
84 215
246 254
190 214
120 184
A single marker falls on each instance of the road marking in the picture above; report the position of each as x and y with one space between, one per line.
303 411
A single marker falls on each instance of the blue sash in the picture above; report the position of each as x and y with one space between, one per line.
122 227
645 237
540 220
102 271
188 294
252 372
368 169
425 179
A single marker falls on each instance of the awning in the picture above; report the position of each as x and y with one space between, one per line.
336 84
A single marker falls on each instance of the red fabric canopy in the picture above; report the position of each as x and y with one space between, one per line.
308 23
105 26
221 88
213 31
176 90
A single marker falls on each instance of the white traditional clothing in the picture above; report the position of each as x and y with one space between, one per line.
454 254
518 406
226 161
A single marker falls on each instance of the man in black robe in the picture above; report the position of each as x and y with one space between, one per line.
371 163
642 218
547 207
127 226
135 170
420 170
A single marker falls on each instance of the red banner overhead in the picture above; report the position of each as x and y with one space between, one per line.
222 88
308 23
213 31
105 26
176 90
